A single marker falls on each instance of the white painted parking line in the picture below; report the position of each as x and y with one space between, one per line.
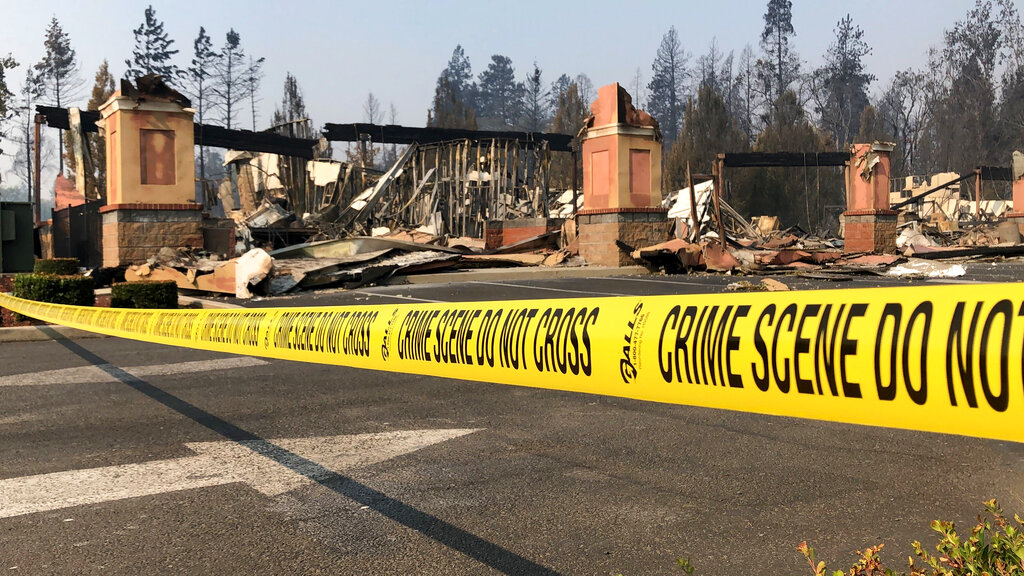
587 292
214 464
704 284
95 374
399 296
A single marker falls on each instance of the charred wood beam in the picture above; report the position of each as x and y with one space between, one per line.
785 159
391 134
59 118
205 135
219 137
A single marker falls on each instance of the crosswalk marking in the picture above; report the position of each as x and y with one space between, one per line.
214 464
96 374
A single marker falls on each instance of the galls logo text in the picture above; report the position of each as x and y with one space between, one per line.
627 366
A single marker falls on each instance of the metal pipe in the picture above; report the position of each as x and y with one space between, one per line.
575 179
719 180
977 194
36 209
693 204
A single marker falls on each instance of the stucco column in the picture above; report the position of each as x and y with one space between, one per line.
622 189
870 223
150 173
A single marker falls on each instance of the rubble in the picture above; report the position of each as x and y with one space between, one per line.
931 269
934 223
765 285
250 269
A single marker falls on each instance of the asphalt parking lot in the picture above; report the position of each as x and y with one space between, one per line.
128 457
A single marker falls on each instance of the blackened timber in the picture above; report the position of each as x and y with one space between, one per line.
59 118
785 159
392 134
219 137
205 135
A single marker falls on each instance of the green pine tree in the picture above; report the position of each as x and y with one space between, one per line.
500 96
780 66
152 53
668 82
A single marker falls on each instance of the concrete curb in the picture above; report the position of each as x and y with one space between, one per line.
34 334
520 273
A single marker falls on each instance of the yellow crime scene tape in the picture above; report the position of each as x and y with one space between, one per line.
940 358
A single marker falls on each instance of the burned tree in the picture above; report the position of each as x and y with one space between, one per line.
198 78
230 74
59 72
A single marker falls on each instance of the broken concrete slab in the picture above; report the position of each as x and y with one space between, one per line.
145 274
352 246
221 280
501 260
874 260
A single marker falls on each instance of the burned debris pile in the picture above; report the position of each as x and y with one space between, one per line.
290 215
456 204
934 222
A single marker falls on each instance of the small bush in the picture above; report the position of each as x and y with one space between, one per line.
75 290
162 294
994 546
56 266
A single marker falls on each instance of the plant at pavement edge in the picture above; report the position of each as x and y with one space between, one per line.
162 294
994 548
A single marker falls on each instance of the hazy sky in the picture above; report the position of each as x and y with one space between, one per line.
339 51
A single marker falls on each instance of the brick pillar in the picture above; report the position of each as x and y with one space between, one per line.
870 223
621 181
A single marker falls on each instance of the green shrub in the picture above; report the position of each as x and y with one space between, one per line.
56 266
76 290
163 294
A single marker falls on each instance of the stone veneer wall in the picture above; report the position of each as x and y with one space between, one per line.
638 227
873 231
134 232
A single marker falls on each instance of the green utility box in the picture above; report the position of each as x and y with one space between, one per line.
17 245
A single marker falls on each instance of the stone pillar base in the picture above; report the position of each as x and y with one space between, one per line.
870 231
134 232
1018 219
499 233
636 227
